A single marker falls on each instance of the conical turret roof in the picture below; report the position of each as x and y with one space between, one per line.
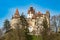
17 12
16 15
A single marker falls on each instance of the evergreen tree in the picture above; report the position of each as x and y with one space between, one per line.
23 20
1 32
45 30
25 28
6 25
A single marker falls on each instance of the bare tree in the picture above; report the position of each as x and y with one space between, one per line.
55 22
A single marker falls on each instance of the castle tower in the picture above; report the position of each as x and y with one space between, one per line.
48 18
15 19
31 12
16 15
48 13
31 21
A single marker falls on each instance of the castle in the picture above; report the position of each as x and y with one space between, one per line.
34 19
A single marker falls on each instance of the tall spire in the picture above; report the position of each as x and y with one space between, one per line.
16 15
17 12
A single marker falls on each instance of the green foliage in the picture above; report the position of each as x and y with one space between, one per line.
1 32
11 35
55 36
6 25
23 20
45 30
36 37
19 34
45 23
24 29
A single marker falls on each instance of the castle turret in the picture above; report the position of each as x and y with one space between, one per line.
31 12
48 13
15 19
48 18
16 15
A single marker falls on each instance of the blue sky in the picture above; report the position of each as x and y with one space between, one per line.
8 7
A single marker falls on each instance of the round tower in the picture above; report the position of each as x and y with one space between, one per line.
48 18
